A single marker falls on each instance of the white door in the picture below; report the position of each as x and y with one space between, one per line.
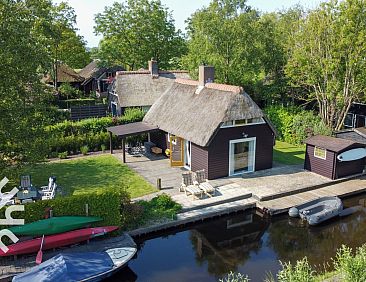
242 156
187 154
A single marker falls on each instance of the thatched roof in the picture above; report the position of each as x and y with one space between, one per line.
140 88
65 74
196 117
92 70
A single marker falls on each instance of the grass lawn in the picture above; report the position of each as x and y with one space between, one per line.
91 175
288 154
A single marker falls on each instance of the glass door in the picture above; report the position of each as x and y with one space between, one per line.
241 156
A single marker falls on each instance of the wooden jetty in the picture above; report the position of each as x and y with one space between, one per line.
343 189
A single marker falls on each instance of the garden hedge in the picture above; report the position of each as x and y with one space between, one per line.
69 136
106 206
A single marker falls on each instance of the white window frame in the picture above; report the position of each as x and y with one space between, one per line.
325 150
237 125
174 142
230 154
116 104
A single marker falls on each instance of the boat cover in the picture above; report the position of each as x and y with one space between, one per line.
68 267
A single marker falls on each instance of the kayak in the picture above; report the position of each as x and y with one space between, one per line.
55 241
54 225
89 266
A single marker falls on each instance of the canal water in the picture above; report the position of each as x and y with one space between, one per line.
245 243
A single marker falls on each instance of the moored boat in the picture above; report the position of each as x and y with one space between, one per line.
55 241
318 210
85 267
54 225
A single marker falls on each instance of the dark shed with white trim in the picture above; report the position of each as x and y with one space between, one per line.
324 156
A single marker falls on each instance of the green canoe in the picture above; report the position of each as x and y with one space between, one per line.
54 225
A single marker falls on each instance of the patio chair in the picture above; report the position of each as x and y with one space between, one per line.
49 187
189 187
203 183
25 182
48 195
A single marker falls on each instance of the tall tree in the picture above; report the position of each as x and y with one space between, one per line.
136 31
225 34
328 58
55 28
276 32
22 97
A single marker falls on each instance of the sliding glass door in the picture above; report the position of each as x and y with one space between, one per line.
241 156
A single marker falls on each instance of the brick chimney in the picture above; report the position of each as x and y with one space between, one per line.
153 68
206 74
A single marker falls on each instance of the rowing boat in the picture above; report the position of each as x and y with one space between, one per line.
84 267
55 241
54 225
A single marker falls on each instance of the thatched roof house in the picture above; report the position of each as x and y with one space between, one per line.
141 88
65 74
196 116
211 126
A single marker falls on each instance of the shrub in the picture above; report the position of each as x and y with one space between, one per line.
295 125
351 267
300 272
103 147
84 150
160 207
62 155
235 277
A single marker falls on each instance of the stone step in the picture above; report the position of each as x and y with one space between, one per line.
215 202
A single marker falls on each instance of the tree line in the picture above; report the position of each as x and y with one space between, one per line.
314 58
295 56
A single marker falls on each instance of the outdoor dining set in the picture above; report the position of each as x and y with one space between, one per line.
29 193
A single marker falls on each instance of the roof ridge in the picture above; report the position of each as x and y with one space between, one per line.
225 87
187 81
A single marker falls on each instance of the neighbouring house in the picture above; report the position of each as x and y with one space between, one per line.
356 116
65 74
98 79
211 126
334 157
140 88
354 134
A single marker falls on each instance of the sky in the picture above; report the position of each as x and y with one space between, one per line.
181 10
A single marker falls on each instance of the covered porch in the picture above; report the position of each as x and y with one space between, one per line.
126 130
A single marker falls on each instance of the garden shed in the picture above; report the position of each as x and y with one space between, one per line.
334 157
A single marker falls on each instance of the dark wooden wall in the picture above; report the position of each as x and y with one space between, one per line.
331 167
218 157
160 139
323 167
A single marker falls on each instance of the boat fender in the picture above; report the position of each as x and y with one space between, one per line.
294 212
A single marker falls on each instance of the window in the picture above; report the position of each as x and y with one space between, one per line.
241 122
320 153
349 120
174 139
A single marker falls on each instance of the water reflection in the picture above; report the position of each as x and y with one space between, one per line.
245 242
226 244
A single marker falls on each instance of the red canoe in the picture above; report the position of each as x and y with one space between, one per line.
58 240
